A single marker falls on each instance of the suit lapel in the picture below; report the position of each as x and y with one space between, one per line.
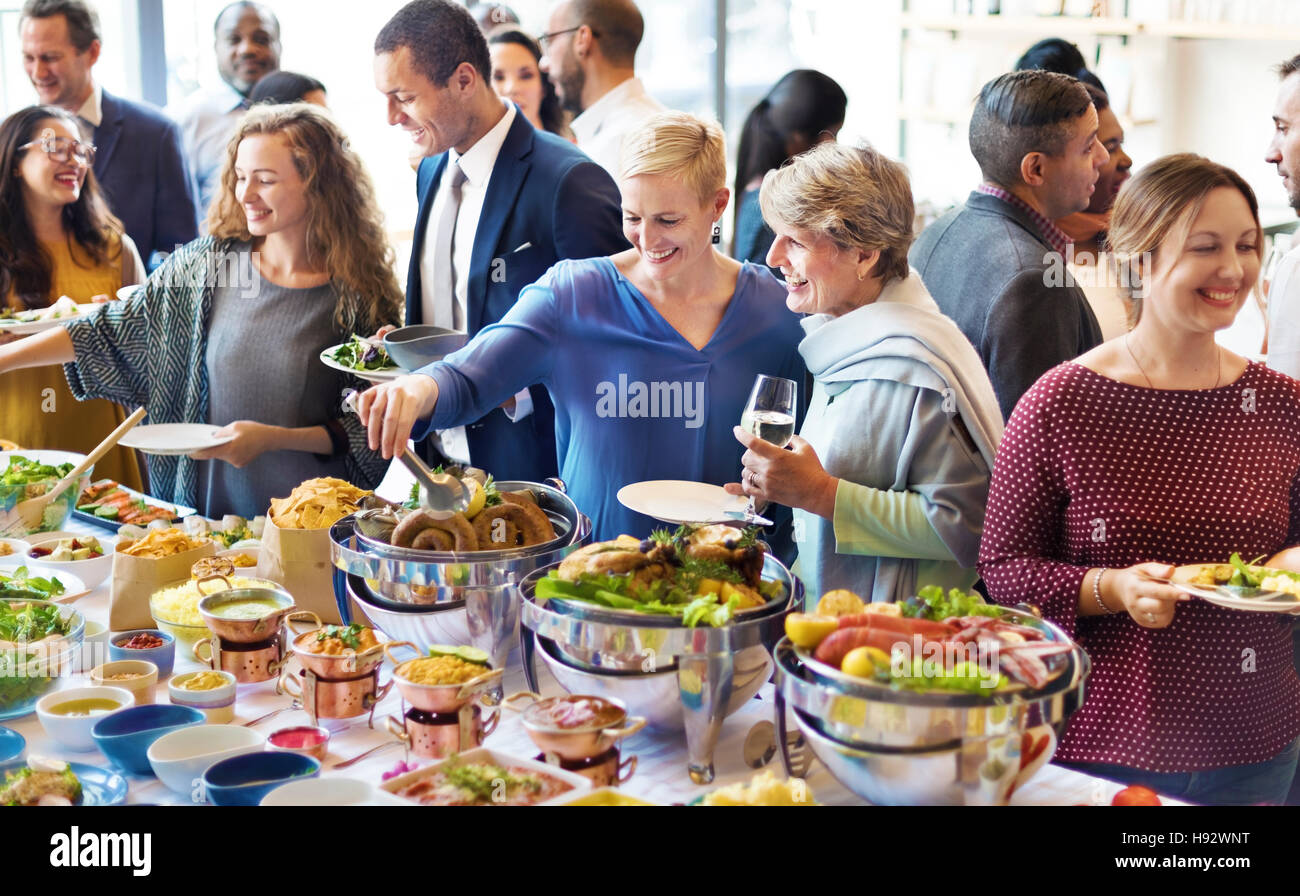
427 179
508 175
107 134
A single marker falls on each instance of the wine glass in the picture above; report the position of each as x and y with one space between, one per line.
769 414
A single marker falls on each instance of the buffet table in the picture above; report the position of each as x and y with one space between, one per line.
660 775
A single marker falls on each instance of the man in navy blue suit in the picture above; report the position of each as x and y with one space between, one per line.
500 203
138 159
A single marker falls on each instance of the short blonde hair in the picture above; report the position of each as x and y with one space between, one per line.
1161 202
689 148
857 197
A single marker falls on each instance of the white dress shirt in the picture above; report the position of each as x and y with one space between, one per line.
92 110
1284 316
207 121
602 125
477 163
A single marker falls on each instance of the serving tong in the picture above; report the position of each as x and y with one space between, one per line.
439 494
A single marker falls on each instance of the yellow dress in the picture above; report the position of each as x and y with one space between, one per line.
37 409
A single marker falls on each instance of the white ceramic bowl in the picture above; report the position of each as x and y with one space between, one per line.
92 572
331 792
179 758
13 551
144 675
73 732
94 649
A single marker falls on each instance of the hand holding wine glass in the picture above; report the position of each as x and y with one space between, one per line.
769 415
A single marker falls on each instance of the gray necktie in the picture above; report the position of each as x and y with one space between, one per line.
445 247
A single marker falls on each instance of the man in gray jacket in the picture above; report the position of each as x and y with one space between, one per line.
997 265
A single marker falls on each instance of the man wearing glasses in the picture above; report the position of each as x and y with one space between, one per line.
590 53
139 163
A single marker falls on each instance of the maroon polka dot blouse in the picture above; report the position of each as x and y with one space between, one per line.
1093 472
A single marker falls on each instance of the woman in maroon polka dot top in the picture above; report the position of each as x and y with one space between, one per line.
1162 448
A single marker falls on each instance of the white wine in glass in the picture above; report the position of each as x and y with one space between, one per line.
769 414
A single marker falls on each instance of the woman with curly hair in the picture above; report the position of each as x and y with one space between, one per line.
228 330
59 239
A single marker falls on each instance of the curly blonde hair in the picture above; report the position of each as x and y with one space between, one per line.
345 228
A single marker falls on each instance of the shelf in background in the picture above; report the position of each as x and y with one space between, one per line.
1076 25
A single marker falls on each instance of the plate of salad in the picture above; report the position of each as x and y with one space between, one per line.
37 320
362 359
33 581
1238 585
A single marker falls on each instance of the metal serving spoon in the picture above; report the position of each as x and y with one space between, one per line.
442 493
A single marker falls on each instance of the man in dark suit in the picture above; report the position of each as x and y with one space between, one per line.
138 159
997 265
500 203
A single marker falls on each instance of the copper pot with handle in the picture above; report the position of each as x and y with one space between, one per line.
438 698
574 726
331 666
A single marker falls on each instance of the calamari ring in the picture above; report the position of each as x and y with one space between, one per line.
539 529
432 539
500 527
455 525
212 566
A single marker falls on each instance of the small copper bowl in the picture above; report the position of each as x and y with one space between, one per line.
440 698
575 727
308 740
246 631
352 665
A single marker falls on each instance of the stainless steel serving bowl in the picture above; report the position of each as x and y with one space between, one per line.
657 694
658 667
436 597
894 746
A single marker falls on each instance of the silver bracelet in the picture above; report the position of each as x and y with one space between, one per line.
1096 593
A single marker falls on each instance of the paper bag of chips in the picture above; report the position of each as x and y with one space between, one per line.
296 544
142 567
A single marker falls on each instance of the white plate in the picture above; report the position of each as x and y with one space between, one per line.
331 792
386 375
678 501
73 587
28 328
1264 602
173 438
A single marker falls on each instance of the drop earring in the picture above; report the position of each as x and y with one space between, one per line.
717 233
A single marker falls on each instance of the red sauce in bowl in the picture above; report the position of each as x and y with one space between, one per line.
142 641
298 738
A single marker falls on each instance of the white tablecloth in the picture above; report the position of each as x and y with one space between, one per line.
660 774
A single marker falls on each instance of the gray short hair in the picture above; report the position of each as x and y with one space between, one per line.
856 196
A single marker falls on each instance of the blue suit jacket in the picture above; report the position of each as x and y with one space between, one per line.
546 201
146 181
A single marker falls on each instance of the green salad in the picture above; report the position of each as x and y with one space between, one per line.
21 583
27 670
358 354
931 603
1248 575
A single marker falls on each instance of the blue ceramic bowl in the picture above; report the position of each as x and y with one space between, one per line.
420 345
244 780
126 736
163 657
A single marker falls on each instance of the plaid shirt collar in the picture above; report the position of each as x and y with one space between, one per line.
1053 235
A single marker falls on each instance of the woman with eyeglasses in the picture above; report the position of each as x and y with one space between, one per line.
228 331
58 239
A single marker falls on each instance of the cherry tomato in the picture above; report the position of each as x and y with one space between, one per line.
1136 796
